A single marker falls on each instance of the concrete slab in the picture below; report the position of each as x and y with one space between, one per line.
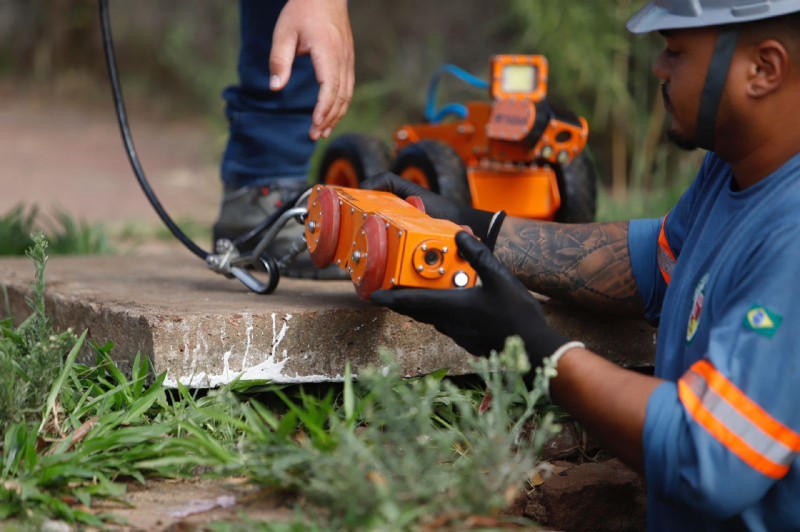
205 330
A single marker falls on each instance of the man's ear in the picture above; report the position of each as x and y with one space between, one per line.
769 66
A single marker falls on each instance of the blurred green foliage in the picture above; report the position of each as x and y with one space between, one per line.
66 235
179 56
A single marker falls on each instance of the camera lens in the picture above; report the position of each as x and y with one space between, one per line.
432 257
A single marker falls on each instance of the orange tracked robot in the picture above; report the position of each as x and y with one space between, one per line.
383 241
514 152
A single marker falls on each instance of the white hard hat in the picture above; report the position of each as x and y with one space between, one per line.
677 14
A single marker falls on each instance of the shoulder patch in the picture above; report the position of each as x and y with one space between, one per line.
698 301
762 321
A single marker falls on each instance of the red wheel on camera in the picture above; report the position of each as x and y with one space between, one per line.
322 227
368 256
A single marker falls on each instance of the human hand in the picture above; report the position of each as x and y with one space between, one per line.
483 224
320 28
479 319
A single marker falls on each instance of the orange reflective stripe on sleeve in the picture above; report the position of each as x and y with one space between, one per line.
737 422
665 256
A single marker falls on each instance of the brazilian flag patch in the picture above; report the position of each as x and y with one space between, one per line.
762 321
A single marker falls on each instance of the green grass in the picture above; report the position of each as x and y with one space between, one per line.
65 235
380 452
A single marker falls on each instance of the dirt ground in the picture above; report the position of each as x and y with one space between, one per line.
193 503
62 155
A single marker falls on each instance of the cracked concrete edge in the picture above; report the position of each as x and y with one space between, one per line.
289 348
208 350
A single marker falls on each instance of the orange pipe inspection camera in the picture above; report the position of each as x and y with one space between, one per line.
383 241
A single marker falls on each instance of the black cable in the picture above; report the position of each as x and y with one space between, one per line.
122 118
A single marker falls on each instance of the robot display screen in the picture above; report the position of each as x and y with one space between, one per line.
519 78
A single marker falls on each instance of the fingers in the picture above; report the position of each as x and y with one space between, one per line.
336 78
476 253
389 182
427 306
320 28
284 49
488 268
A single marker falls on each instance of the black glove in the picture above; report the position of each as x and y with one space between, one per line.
484 224
479 319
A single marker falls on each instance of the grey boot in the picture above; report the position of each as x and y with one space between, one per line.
242 208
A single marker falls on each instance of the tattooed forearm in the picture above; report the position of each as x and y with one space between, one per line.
586 264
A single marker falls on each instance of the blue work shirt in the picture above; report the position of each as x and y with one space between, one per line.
721 271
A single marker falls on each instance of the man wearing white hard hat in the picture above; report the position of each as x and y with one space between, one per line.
716 429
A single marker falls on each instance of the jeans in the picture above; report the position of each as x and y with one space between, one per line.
268 136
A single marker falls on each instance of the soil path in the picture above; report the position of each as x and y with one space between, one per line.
69 156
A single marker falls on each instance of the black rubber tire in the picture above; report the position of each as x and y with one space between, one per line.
441 165
367 154
577 183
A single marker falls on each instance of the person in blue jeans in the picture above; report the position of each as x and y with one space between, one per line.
296 75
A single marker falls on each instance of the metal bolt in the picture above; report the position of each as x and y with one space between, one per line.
311 226
356 256
402 134
419 268
399 233
364 216
338 261
352 210
386 225
444 249
424 247
393 281
441 271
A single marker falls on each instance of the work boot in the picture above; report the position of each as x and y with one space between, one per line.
242 208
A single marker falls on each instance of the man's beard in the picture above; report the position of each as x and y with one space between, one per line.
681 142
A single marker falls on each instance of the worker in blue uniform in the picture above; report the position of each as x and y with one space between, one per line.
296 76
716 430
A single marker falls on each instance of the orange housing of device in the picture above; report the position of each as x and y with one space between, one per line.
383 241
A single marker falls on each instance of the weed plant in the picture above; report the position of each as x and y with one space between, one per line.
381 452
390 453
30 355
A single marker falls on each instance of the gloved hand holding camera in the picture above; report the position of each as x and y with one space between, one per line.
479 319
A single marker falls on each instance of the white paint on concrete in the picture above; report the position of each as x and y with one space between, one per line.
277 337
270 369
248 322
